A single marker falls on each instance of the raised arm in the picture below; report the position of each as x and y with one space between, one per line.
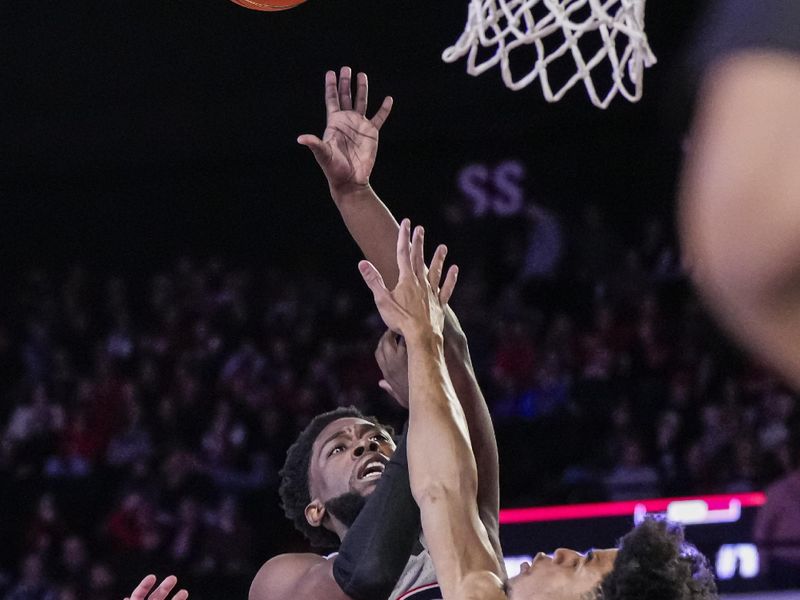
443 471
347 153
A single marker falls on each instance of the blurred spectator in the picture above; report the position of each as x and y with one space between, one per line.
131 527
544 244
32 584
148 416
47 529
132 443
101 583
632 477
777 527
227 541
184 539
73 564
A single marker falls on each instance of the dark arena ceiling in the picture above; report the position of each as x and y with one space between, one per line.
133 129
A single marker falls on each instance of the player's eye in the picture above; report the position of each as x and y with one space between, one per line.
379 437
589 556
336 449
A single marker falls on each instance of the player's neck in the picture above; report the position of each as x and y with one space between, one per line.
337 527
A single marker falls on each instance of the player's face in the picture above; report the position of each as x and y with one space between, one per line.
349 455
566 575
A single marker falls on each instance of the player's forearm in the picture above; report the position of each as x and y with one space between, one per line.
439 449
372 226
443 472
479 421
374 229
462 374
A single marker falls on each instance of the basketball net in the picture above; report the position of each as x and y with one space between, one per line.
554 28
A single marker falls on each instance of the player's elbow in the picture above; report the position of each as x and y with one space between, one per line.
444 490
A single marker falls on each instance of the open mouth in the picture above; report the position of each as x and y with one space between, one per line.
372 469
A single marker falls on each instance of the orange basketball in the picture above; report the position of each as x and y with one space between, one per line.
268 5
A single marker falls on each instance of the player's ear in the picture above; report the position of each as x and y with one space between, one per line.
315 512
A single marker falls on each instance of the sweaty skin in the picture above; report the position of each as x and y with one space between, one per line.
566 575
339 453
443 471
347 154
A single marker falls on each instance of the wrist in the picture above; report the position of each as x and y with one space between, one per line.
350 192
424 337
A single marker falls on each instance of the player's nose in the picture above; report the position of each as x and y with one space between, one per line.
365 445
562 555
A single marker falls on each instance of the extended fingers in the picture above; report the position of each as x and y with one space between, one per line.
449 285
321 150
403 250
437 264
418 253
345 100
383 112
373 279
144 586
331 94
163 590
361 93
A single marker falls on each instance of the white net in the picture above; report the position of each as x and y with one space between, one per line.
605 35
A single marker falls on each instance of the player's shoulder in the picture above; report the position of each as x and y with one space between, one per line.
294 576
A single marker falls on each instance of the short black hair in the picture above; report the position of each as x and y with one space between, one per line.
294 490
655 562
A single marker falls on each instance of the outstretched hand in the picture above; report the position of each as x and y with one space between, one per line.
392 359
161 592
349 144
416 305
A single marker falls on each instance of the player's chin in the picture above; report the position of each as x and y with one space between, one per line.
365 487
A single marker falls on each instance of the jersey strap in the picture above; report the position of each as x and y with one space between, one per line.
424 592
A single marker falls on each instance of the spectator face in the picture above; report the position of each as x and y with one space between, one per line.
348 457
632 454
47 509
188 512
566 575
668 428
100 578
73 553
32 571
67 593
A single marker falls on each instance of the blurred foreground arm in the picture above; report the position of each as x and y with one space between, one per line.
740 203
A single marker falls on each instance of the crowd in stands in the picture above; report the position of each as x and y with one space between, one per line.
144 418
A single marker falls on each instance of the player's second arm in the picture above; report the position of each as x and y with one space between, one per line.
296 577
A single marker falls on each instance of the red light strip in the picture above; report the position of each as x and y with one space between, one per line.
619 509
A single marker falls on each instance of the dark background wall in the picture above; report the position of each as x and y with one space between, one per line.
131 132
135 132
